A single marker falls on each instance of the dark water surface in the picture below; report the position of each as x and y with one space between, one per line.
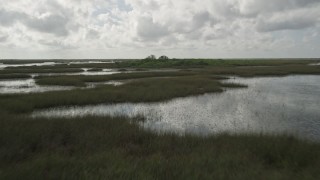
271 105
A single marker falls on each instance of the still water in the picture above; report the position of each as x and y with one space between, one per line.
271 105
26 86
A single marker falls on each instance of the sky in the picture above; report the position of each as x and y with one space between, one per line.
115 29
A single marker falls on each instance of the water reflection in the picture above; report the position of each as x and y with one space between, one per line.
2 66
270 105
23 86
26 86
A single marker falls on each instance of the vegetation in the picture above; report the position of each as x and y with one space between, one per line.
118 148
152 62
25 70
63 80
114 148
95 69
196 63
248 71
163 57
144 90
14 76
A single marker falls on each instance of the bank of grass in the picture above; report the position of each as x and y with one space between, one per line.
243 71
14 76
179 63
117 148
144 90
95 69
39 70
193 63
262 71
114 148
60 80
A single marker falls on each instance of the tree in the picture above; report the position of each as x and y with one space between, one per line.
151 57
163 58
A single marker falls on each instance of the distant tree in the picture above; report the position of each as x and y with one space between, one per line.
151 57
163 58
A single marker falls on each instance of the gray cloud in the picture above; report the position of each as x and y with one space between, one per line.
268 6
149 30
157 24
54 24
3 38
291 24
7 18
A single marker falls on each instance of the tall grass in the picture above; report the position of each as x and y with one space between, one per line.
144 90
59 80
25 70
114 148
14 76
179 63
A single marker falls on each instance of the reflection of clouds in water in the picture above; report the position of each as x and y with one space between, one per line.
26 86
2 66
269 105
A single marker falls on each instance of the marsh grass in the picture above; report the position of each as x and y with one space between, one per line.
14 76
143 90
116 148
178 63
66 81
25 70
262 71
58 80
192 63
95 69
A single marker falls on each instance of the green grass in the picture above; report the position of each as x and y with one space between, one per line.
192 63
117 148
65 81
144 90
14 76
113 148
68 66
245 71
38 70
262 71
178 63
57 80
95 69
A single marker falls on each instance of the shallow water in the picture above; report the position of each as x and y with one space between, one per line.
2 66
50 63
26 86
23 86
272 105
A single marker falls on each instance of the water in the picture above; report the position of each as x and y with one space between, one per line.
49 63
2 66
26 86
272 105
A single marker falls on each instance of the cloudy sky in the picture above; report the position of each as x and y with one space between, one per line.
177 28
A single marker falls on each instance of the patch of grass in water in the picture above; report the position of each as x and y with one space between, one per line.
66 81
55 80
114 148
262 71
95 69
143 90
14 76
38 70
